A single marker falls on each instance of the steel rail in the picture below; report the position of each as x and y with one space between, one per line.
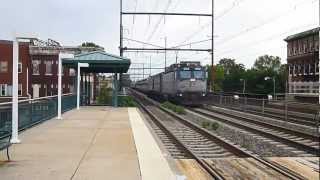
265 124
257 131
280 169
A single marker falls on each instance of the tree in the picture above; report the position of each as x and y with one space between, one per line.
233 72
219 78
267 63
91 44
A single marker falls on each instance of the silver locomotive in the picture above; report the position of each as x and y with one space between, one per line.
184 83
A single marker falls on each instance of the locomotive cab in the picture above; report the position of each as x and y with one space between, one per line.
191 82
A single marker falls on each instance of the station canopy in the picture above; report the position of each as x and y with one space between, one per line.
99 62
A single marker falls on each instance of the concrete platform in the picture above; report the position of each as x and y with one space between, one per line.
93 143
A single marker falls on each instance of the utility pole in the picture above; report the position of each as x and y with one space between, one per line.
121 30
150 66
165 53
176 57
212 48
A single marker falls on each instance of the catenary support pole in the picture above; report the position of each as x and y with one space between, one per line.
212 48
15 80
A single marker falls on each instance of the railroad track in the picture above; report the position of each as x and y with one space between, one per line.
297 142
196 142
278 114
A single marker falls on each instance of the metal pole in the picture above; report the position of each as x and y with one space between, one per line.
176 57
150 66
78 87
212 47
121 30
244 86
274 88
143 71
165 53
15 81
59 85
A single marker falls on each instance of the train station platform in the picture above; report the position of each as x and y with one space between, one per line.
91 143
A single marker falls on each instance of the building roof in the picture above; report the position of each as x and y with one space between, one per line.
99 62
303 34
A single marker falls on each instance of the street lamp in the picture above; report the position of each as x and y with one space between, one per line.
244 85
274 84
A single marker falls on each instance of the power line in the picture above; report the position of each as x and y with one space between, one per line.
144 43
246 45
229 9
159 21
254 27
191 43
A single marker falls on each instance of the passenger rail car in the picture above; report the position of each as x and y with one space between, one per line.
184 83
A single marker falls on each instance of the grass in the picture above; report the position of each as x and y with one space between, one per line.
173 107
210 125
127 101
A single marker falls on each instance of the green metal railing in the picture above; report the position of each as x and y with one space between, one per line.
34 111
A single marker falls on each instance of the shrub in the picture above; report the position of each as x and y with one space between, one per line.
127 101
173 107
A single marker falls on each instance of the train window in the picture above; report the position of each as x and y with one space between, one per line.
185 74
198 74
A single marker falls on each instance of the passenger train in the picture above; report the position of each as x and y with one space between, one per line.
184 83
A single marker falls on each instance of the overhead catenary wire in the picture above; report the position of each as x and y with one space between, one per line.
259 25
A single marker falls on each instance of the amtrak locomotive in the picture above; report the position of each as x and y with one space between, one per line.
184 83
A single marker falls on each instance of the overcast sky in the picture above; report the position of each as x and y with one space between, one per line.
244 29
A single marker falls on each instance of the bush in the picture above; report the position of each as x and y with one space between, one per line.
127 101
214 126
173 107
210 125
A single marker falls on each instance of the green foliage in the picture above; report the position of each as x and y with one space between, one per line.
210 125
205 124
127 101
228 74
90 44
214 126
173 107
267 63
105 96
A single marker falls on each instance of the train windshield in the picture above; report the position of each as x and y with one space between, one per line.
198 74
185 74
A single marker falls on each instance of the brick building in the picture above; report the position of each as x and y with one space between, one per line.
6 48
303 64
38 67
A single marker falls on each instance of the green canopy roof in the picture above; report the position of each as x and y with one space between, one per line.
99 62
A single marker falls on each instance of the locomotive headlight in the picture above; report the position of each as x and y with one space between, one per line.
180 94
203 94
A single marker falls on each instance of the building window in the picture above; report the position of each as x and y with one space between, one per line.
317 67
316 44
35 67
3 89
3 66
48 67
19 67
20 89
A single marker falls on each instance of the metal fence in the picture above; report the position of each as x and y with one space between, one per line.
280 109
33 111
